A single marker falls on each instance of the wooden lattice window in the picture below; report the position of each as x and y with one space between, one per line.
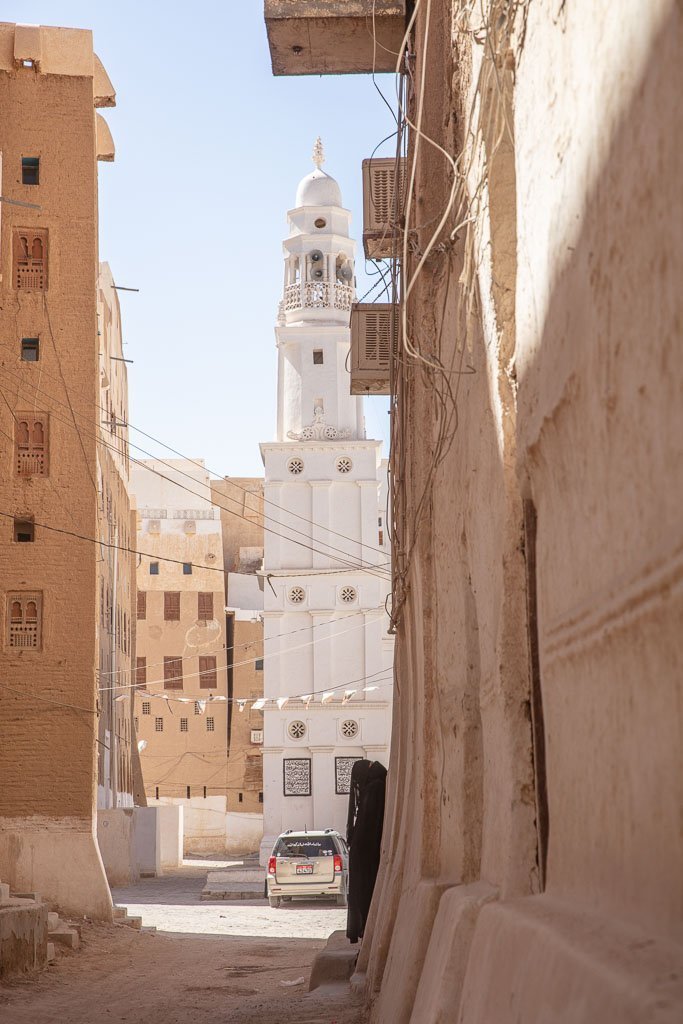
172 606
173 673
24 620
204 607
142 604
207 672
31 443
141 671
29 248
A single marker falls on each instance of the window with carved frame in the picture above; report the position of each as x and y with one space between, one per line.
31 443
29 252
24 620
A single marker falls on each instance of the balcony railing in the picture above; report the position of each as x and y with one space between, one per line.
318 295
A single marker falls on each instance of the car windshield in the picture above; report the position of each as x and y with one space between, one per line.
305 846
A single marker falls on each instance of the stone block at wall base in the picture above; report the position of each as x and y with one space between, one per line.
411 934
537 960
335 963
23 937
58 858
115 838
443 973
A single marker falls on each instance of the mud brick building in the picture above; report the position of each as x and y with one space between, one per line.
51 84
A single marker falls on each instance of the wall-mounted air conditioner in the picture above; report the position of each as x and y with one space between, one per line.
382 207
374 327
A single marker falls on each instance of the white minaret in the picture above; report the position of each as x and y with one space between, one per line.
312 333
327 655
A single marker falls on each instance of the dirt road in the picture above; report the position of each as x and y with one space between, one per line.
209 963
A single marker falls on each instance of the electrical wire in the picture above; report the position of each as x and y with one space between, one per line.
371 568
185 458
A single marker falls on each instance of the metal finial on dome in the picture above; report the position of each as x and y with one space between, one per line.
318 153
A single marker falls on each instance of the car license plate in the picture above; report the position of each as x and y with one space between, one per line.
304 869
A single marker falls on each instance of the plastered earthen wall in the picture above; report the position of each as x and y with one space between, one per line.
240 501
245 777
177 524
47 749
558 314
117 566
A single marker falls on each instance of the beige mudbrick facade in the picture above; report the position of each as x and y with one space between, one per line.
240 500
181 706
533 848
118 759
50 84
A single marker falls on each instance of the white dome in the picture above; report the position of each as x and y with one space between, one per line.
318 189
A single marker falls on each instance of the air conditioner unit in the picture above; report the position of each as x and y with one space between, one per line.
382 206
374 327
257 735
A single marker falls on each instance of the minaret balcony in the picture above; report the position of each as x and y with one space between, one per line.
305 295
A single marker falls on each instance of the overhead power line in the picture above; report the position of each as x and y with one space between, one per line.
373 569
194 462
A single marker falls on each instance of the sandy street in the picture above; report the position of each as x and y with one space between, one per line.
208 963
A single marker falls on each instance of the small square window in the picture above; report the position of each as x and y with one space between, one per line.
154 568
318 356
158 724
240 798
187 568
183 725
260 798
258 664
30 350
146 707
30 170
24 531
209 725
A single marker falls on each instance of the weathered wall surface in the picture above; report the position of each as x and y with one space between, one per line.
240 500
555 317
23 936
48 694
116 569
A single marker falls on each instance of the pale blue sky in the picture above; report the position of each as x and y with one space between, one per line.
209 150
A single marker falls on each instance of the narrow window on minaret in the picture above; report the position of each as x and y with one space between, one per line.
318 356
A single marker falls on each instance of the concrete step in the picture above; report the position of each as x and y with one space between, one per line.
236 892
120 913
335 963
133 922
65 936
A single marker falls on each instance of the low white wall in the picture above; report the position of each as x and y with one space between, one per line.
203 822
243 832
145 844
170 836
115 837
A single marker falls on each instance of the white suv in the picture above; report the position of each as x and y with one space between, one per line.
308 864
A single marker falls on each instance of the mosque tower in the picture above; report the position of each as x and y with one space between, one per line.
327 655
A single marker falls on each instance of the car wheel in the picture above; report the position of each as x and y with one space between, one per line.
274 901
